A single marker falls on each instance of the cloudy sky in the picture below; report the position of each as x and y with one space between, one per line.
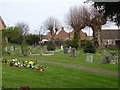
35 12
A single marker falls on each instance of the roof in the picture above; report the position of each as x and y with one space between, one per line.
2 24
64 35
111 34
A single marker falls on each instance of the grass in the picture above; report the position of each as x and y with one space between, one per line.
55 76
65 58
0 74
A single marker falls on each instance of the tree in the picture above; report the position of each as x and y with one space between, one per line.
9 34
75 41
89 47
53 25
23 28
32 39
77 18
96 21
51 45
111 10
80 17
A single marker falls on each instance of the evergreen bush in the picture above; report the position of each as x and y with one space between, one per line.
89 47
51 45
75 41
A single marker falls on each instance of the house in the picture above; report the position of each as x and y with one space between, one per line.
64 35
2 24
110 36
82 35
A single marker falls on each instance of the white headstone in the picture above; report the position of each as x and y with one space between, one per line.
11 48
61 47
89 58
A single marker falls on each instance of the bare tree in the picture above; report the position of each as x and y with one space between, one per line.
53 25
96 21
23 28
77 18
80 17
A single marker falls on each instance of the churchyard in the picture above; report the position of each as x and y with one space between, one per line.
62 69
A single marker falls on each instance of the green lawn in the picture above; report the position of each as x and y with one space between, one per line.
0 74
65 58
57 76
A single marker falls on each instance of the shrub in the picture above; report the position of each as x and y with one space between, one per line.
32 39
59 41
68 43
89 47
51 45
75 40
24 48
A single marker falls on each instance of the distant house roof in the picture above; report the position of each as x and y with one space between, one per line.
2 24
111 34
64 35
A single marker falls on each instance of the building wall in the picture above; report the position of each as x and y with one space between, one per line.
110 36
2 24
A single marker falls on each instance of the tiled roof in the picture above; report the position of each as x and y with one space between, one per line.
64 35
111 34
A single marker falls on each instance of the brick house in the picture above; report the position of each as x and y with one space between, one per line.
2 24
110 36
64 35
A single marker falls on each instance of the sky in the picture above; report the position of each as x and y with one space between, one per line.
35 12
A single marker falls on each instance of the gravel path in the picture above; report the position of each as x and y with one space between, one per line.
90 69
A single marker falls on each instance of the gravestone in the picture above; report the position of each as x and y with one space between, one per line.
61 47
105 60
72 52
89 58
65 50
11 48
33 46
104 52
44 49
111 57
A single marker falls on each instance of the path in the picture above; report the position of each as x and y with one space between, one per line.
101 71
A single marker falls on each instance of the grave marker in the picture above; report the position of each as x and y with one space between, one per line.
65 50
89 58
104 52
61 47
11 48
72 52
106 60
44 49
